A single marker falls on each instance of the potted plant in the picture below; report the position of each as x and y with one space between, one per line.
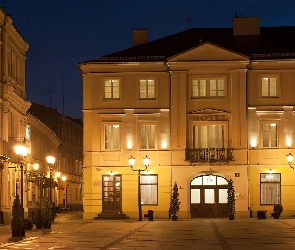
39 219
17 222
231 200
47 212
277 210
174 203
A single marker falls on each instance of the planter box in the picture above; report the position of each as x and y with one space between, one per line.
261 214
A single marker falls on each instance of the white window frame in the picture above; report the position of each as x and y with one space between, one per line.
147 95
209 143
203 88
112 136
113 94
267 79
149 189
270 188
270 134
148 147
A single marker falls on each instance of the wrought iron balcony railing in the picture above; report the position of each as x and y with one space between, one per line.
212 155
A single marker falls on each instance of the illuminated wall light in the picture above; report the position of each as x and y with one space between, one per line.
164 145
253 142
129 145
111 173
288 141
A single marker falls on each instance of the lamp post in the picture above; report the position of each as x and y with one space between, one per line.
50 160
59 180
22 151
146 162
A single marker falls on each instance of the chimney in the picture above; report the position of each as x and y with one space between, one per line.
139 36
246 26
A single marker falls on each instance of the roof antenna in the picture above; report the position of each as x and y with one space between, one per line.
188 21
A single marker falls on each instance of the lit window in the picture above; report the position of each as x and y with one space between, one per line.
208 87
270 189
208 136
112 137
147 89
269 87
111 89
269 135
149 189
148 136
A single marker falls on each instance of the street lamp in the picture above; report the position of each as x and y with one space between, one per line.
22 151
50 160
290 159
146 162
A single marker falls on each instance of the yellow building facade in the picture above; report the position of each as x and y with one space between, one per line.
13 107
194 103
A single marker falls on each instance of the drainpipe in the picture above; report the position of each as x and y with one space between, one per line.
247 79
169 74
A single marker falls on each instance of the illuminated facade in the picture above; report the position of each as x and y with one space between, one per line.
12 112
67 172
195 103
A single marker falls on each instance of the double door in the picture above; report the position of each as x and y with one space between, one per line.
208 201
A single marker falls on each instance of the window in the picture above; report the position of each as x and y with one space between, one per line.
269 87
208 136
208 87
112 137
146 89
149 189
270 189
148 136
112 89
269 135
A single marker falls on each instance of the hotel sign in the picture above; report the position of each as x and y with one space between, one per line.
209 117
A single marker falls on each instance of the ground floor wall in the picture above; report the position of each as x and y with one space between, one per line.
260 175
167 176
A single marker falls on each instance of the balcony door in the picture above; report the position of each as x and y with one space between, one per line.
111 197
209 197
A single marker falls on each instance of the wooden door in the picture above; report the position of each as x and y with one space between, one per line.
111 197
208 201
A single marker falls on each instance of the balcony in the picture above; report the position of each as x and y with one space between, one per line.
213 156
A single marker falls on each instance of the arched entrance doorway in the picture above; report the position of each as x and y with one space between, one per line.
209 196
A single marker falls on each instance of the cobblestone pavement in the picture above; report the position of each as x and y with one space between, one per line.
69 231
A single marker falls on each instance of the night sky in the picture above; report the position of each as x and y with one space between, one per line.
63 33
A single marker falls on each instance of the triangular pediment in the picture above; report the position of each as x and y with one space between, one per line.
209 111
208 52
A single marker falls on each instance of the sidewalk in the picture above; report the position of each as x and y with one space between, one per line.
62 220
69 231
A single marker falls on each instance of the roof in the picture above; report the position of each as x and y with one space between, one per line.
49 116
273 42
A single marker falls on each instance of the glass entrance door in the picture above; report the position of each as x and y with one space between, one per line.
208 197
111 200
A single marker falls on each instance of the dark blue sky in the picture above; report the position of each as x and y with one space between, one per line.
63 33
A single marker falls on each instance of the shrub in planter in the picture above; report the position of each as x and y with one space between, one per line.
17 222
39 219
174 203
231 200
277 210
47 211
